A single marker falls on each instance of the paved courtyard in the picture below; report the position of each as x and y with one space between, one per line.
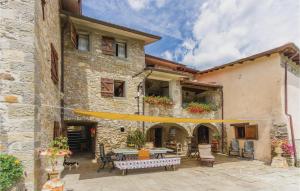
227 174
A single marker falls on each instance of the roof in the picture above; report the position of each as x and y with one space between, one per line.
290 50
110 27
168 64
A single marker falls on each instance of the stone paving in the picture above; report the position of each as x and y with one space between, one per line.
231 175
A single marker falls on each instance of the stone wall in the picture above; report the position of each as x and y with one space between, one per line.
83 73
47 93
17 67
26 86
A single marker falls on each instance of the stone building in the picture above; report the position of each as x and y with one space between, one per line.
30 81
53 60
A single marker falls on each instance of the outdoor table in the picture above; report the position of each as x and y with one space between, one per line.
157 152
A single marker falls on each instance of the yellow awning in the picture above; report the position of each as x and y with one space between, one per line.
152 119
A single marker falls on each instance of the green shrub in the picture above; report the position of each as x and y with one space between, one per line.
11 171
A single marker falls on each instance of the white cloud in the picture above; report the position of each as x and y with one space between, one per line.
138 4
167 55
230 29
142 4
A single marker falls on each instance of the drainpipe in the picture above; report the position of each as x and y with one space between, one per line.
144 92
222 116
286 106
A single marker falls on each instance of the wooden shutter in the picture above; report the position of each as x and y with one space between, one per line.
56 130
74 36
54 65
251 131
107 45
107 87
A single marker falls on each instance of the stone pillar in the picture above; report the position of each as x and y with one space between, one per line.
176 96
17 68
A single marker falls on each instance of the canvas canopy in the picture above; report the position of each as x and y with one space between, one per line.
152 119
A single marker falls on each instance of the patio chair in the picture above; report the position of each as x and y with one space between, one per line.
192 151
178 148
104 159
234 149
205 154
248 150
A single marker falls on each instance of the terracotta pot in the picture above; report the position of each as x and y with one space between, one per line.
53 185
278 150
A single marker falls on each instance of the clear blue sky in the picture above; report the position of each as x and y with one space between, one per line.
205 33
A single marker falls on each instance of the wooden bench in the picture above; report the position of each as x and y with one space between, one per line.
149 163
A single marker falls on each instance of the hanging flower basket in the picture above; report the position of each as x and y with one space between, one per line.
198 108
158 100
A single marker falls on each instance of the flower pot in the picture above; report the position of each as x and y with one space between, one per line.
58 166
278 151
53 185
214 145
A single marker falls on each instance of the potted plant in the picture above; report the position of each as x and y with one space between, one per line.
198 108
139 138
11 172
278 161
55 153
136 138
130 140
215 141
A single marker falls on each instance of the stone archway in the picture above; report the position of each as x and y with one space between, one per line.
169 134
203 133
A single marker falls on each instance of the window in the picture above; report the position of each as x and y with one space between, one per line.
119 88
83 42
54 64
121 50
112 88
245 131
240 132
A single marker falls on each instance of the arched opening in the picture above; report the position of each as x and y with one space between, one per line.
203 134
167 135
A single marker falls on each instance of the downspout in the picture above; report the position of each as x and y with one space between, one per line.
62 86
144 91
222 116
286 106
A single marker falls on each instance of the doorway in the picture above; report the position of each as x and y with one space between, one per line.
158 137
203 135
81 136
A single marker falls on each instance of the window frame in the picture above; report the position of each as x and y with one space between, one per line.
246 129
124 89
117 49
88 38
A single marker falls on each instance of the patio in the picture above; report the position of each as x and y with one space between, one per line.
227 174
